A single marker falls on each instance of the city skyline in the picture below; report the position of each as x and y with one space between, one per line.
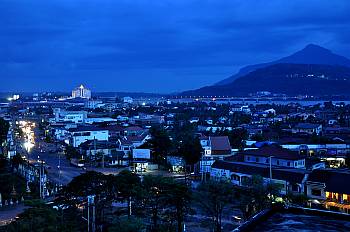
148 46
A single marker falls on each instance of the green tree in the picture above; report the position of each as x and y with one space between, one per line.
16 160
237 136
128 184
42 218
218 196
4 127
191 150
127 225
256 195
153 198
160 144
71 152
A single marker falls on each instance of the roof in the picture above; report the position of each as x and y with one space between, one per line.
91 144
221 143
276 152
129 140
291 175
336 181
307 125
134 128
86 128
113 128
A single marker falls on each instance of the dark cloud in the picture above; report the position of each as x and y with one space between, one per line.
158 46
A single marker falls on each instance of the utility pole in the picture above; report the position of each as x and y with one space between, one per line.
93 218
88 215
270 168
40 182
59 170
42 179
91 202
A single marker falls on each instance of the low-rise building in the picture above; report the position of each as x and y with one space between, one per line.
215 148
274 155
82 134
307 128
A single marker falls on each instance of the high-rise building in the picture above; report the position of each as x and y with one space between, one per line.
82 92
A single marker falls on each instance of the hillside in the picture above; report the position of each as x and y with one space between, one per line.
289 79
311 54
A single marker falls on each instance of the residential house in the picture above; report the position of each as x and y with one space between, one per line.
274 155
307 128
289 180
331 187
215 148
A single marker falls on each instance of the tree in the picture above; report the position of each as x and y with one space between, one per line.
218 196
167 201
178 197
153 186
72 152
160 143
16 161
237 136
191 150
4 127
88 183
127 225
256 195
127 184
44 218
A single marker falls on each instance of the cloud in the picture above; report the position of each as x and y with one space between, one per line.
188 43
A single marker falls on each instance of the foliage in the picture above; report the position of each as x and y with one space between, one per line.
160 144
4 127
127 225
191 150
166 200
237 136
218 196
298 199
72 152
256 195
43 218
127 184
16 160
88 183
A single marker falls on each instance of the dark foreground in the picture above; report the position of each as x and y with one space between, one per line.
294 222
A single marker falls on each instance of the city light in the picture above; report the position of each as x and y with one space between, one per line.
28 146
28 134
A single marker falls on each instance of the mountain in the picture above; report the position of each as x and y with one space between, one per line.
285 78
311 54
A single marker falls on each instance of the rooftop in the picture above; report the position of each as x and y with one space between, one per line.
275 151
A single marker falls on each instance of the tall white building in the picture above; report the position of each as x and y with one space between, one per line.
82 92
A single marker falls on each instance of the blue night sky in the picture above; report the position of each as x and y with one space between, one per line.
156 46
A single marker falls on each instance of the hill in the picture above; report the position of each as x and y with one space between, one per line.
311 54
286 78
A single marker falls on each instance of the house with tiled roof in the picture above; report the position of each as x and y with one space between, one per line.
307 128
277 155
331 187
215 148
288 179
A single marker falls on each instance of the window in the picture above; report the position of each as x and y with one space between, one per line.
278 162
316 192
295 188
288 164
257 159
248 158
235 177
